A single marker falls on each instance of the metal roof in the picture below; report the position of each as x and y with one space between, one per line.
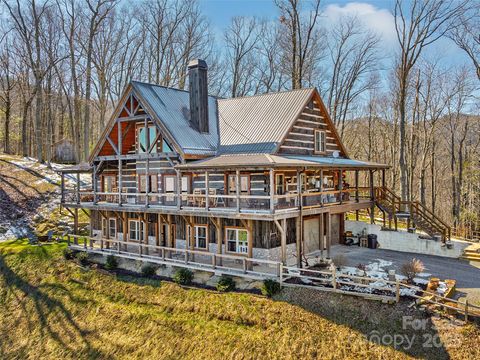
261 119
172 107
268 160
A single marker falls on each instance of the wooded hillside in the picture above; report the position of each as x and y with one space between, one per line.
64 63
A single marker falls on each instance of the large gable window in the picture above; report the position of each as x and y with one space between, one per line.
320 141
142 147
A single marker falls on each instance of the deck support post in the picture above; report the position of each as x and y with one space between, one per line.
94 183
207 188
78 188
145 232
62 187
372 197
125 230
283 232
217 222
119 153
356 189
328 227
321 235
237 189
179 189
340 185
75 221
272 192
298 229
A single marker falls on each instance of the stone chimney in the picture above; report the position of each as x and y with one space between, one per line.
197 79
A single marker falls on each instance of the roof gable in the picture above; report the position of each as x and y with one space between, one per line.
258 123
299 137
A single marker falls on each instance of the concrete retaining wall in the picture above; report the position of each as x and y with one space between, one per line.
407 242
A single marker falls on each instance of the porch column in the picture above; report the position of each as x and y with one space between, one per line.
147 162
321 231
160 231
237 189
145 232
157 230
298 230
125 229
62 187
75 222
119 154
250 238
340 184
372 197
94 183
328 229
356 188
179 189
299 190
78 188
282 228
321 187
207 187
272 192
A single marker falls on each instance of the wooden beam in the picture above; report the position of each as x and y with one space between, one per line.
113 145
272 191
153 156
356 188
328 228
283 242
237 189
207 186
298 229
321 234
372 197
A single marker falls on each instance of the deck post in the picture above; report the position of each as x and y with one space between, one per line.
78 188
237 189
272 192
119 154
372 197
75 221
340 184
282 228
179 189
298 235
62 187
145 232
157 230
356 189
125 230
328 233
321 232
94 184
321 187
207 187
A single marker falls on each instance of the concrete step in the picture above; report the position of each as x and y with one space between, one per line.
470 258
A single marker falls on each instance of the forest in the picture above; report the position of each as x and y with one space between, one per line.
64 64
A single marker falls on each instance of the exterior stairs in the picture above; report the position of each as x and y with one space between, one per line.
472 253
415 213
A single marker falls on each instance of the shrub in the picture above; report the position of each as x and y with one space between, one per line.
270 287
82 257
68 254
225 283
111 262
339 261
148 270
411 268
183 277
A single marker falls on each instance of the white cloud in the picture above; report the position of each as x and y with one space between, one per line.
381 21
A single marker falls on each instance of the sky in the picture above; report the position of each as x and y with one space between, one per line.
375 14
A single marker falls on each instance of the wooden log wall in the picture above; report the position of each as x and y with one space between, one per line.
301 138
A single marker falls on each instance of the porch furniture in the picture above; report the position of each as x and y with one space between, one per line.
212 200
199 200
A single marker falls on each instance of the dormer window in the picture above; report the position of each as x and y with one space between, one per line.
320 142
142 147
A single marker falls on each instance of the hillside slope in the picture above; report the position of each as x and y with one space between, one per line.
52 308
29 198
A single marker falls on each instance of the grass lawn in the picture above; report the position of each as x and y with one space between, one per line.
52 308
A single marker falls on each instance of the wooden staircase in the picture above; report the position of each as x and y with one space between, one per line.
472 253
416 214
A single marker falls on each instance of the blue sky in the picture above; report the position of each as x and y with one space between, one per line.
375 14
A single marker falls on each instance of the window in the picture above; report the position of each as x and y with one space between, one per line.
142 183
237 240
135 230
185 184
320 141
112 228
201 236
244 184
142 139
104 228
279 184
108 183
169 185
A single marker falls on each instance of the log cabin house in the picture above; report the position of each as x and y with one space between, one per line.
257 177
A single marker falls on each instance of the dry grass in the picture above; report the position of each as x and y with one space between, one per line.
53 309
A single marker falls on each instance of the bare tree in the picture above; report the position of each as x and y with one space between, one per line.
418 24
301 45
7 85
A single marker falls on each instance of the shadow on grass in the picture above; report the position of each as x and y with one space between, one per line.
48 311
397 326
32 172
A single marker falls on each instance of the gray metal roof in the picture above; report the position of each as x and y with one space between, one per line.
261 119
172 107
268 160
